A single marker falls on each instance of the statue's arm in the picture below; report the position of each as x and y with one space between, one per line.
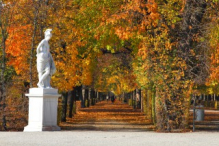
39 46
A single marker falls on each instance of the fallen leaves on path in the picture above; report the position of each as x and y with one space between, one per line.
108 116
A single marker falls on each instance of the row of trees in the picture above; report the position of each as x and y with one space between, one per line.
168 48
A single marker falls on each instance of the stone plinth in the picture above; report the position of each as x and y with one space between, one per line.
43 105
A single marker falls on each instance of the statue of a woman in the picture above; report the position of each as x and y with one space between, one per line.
45 63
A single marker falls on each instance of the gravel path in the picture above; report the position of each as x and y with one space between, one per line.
101 138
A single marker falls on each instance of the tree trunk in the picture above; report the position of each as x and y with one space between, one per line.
138 98
134 99
32 47
83 96
79 93
92 96
3 88
64 106
86 98
97 96
89 97
3 69
153 107
100 96
171 111
71 96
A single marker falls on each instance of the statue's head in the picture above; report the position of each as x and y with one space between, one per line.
48 34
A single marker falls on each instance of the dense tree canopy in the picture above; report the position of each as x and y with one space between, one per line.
168 47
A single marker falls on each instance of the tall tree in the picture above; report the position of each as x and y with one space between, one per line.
5 22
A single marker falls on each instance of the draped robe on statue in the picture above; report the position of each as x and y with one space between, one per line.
45 64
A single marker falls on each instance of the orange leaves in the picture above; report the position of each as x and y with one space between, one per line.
152 6
68 40
153 11
123 33
134 17
120 113
158 63
114 19
18 47
67 64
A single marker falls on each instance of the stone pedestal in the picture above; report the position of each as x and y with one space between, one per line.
43 105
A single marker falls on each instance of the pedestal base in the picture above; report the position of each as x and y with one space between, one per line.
44 128
43 105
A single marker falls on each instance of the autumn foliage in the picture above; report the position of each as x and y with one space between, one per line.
166 48
18 48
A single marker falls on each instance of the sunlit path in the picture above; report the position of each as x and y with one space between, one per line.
108 116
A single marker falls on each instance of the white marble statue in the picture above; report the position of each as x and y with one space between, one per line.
45 63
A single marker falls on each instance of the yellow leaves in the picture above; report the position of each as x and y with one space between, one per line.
123 33
68 68
87 62
168 45
214 56
153 11
86 77
165 76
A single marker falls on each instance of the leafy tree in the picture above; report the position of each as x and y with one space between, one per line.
168 48
6 13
